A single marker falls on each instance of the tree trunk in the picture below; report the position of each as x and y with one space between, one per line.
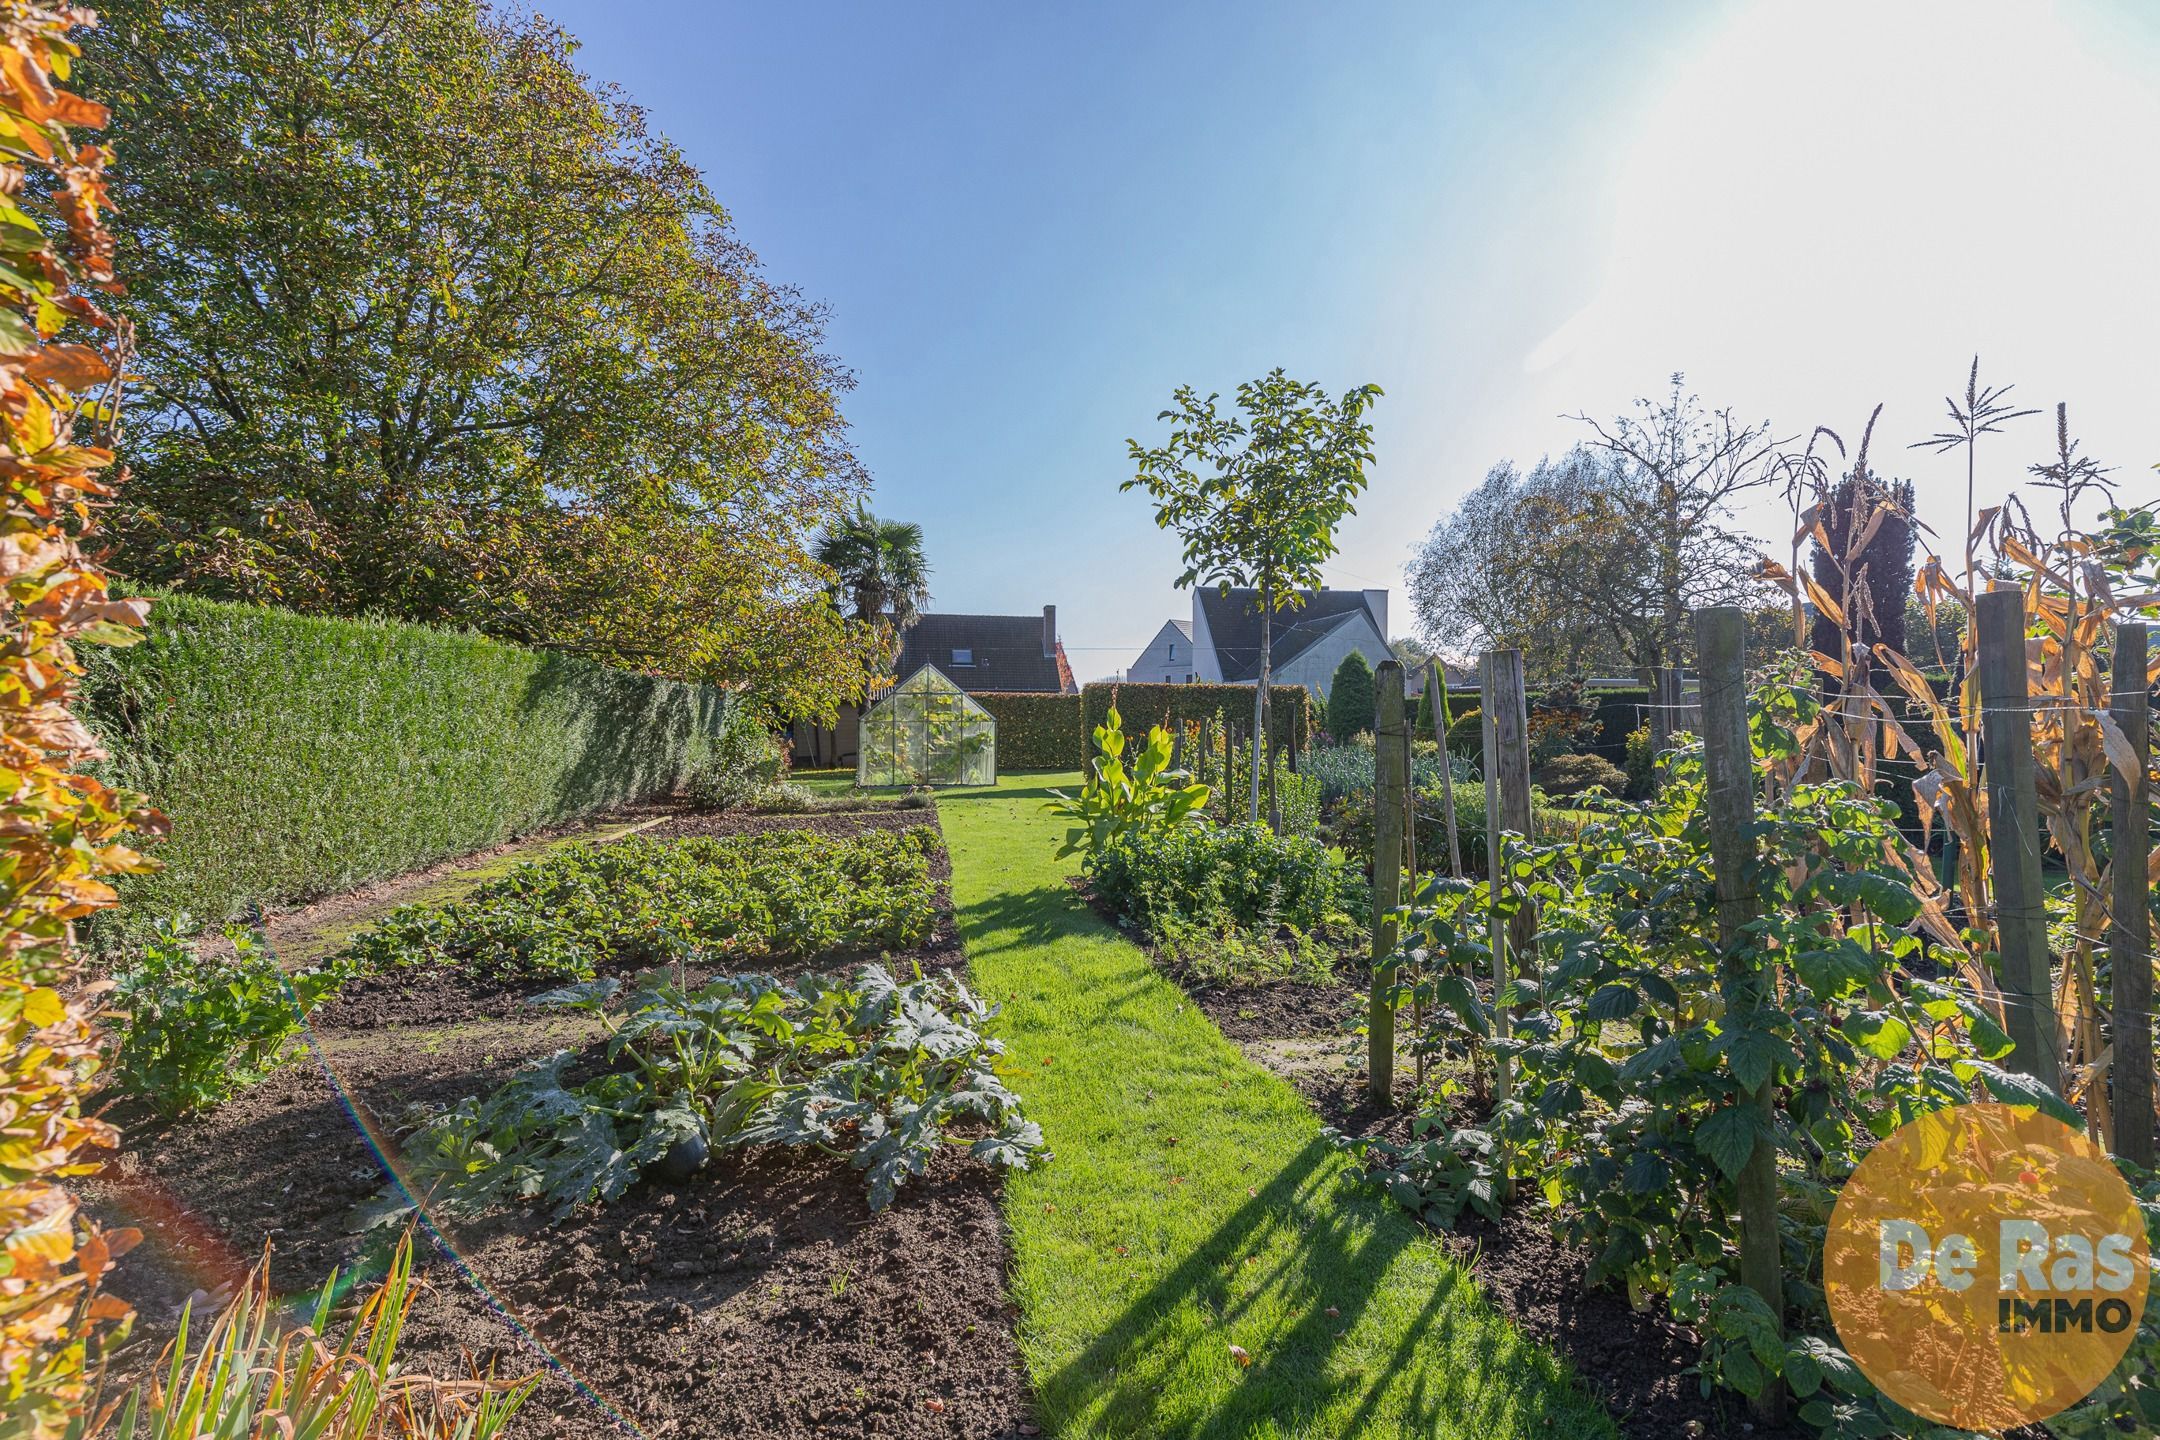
1259 699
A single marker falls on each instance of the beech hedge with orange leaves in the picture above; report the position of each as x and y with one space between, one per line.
63 833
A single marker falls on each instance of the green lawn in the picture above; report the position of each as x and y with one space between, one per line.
825 782
1193 1206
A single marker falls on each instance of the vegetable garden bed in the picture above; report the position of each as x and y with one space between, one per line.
761 1297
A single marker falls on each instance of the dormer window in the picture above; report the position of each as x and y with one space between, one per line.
963 657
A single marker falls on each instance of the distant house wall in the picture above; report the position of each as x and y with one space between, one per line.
1169 659
1315 668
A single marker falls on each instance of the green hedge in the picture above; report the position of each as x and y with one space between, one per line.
297 755
1292 712
1035 731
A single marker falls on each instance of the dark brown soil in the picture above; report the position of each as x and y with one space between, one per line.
760 1298
1267 1009
825 822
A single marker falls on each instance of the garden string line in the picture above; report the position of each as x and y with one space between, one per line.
423 1221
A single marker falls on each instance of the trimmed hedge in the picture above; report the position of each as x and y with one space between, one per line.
299 755
1291 713
1616 713
1035 731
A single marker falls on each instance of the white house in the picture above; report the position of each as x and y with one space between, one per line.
1222 640
1168 659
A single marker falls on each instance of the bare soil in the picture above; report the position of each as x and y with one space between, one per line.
759 1299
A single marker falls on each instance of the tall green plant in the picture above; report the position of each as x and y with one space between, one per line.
1256 498
251 1378
1118 800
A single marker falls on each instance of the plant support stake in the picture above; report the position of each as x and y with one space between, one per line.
2014 839
1391 731
2130 921
1436 686
1729 804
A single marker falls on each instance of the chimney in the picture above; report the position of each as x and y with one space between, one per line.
1049 630
1376 601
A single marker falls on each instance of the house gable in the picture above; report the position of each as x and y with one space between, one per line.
1169 658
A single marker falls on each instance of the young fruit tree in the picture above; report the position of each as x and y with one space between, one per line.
1256 495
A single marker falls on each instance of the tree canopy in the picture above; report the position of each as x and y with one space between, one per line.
430 325
1595 560
1256 496
1526 562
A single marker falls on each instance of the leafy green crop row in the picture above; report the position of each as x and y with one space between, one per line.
638 902
874 1069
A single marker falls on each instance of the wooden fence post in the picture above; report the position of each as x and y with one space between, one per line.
1389 783
1509 712
1661 715
1435 688
1505 729
2014 838
1409 805
2130 922
1729 804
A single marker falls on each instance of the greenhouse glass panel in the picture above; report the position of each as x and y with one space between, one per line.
928 731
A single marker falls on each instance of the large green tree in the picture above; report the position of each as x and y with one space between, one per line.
431 325
1256 494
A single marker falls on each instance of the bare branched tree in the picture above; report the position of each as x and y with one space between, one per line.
1687 466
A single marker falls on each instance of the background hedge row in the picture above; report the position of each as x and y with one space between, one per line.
298 755
1293 715
1036 731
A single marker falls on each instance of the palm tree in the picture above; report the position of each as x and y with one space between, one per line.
880 564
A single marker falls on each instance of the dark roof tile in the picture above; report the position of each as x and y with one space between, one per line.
1006 652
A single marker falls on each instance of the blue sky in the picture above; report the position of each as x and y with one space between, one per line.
1033 222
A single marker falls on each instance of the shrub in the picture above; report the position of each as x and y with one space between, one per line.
1565 775
1114 801
635 902
300 755
1641 764
1036 731
199 1029
743 764
1345 769
1466 734
1348 822
1350 699
874 1069
1239 875
253 1377
1297 796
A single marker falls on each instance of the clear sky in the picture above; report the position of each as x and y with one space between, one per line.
1032 222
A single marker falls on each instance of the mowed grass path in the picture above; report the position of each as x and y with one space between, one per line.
1193 1205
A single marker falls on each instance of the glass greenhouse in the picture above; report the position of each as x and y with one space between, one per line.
928 731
